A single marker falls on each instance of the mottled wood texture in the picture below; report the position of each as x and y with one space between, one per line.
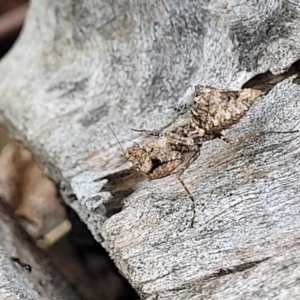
81 65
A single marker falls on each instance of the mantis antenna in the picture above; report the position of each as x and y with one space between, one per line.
116 139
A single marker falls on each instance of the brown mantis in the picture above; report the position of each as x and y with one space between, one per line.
213 110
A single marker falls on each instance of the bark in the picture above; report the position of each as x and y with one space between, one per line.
81 66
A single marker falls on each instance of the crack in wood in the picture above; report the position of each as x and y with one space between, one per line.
120 185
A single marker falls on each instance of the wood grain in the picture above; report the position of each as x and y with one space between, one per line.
78 67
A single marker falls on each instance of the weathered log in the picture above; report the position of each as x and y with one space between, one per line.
81 66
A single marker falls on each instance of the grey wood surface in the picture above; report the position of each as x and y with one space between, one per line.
80 66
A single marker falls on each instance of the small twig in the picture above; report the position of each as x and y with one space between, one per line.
54 235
